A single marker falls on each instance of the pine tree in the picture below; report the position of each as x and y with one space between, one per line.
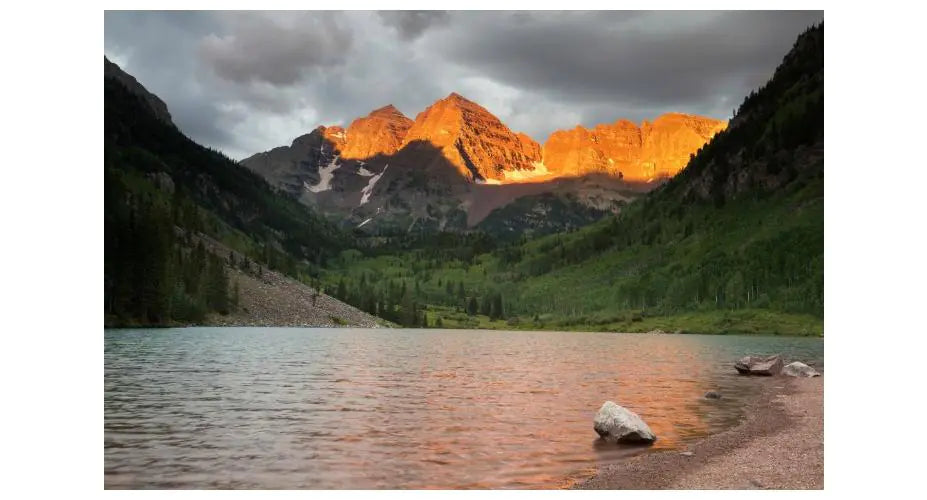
407 314
486 306
217 285
497 312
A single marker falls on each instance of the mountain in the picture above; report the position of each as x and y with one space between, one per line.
477 143
456 163
189 232
733 243
300 166
651 151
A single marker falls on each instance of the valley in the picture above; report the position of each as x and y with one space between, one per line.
452 220
732 244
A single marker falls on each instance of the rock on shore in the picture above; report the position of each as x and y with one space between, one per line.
759 365
779 446
618 424
799 369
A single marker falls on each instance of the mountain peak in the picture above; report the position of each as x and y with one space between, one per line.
380 132
388 110
475 141
456 98
112 71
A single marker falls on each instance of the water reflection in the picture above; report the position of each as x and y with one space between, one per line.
316 408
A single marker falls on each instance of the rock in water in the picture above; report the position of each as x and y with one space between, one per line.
759 365
799 369
712 395
618 424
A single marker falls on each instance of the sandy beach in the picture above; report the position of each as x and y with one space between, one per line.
780 445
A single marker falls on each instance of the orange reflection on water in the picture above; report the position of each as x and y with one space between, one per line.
362 409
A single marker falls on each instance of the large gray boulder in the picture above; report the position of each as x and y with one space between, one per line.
759 365
618 424
799 369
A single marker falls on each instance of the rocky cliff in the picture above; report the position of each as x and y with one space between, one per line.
654 150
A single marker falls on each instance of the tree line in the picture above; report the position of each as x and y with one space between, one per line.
405 304
153 272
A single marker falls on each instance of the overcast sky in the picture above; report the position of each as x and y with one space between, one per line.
244 82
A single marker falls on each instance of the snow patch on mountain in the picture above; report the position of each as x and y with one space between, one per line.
368 189
326 174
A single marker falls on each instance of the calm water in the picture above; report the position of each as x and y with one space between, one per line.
358 409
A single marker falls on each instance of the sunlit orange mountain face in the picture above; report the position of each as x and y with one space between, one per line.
456 164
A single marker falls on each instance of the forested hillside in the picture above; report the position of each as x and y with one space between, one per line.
734 243
161 189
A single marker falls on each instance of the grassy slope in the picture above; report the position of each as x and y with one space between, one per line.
589 295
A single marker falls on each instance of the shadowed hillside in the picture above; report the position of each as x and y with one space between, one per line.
163 193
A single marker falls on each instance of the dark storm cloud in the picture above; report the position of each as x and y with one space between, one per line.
648 59
248 81
275 49
411 23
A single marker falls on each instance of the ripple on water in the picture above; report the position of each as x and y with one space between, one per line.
349 408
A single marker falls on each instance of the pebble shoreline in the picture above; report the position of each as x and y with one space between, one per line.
780 445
